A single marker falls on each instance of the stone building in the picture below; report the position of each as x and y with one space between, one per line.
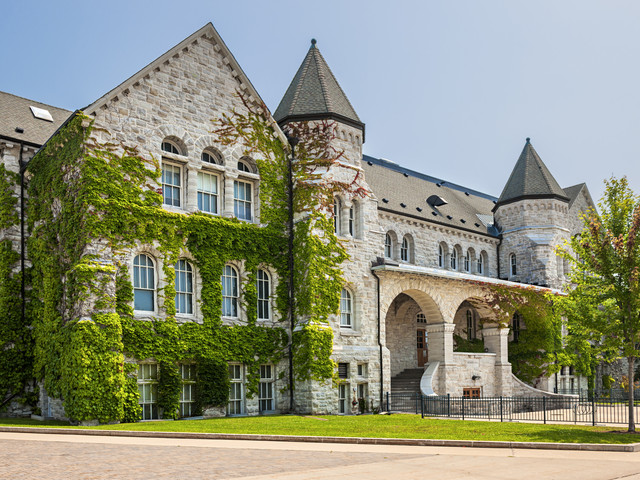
424 253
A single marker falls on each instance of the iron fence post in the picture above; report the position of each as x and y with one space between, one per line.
388 411
544 408
448 405
501 409
422 405
593 410
462 407
417 402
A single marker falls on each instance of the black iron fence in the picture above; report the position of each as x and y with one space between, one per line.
592 410
616 394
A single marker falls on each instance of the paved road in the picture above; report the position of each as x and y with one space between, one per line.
52 456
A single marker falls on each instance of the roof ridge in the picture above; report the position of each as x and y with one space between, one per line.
34 101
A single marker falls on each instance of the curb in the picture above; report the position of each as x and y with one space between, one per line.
594 447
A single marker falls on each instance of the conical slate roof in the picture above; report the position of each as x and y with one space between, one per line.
315 94
530 178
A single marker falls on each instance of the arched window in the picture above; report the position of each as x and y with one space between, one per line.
388 246
244 167
346 309
404 250
441 256
229 292
516 326
512 264
454 259
264 293
211 156
337 215
471 325
467 261
144 284
170 147
421 318
184 287
481 263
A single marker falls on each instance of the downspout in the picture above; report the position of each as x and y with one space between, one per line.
22 237
379 340
498 254
293 142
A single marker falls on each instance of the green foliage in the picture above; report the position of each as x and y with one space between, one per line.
463 344
131 408
169 386
105 196
603 304
212 383
8 198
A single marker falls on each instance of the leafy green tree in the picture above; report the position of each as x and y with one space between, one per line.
603 303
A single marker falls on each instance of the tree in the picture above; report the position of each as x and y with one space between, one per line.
603 303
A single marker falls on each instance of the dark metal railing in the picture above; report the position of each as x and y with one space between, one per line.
591 409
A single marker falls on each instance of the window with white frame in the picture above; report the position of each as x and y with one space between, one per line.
467 261
471 325
236 390
454 259
337 215
441 256
244 167
144 285
207 193
170 147
148 390
229 292
184 287
265 393
404 250
363 392
209 156
187 393
264 294
363 370
388 246
346 309
513 265
171 184
344 402
242 200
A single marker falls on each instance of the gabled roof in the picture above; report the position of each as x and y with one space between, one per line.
404 192
208 31
314 93
530 178
574 191
19 123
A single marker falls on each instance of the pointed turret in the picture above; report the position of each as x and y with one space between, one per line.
314 94
530 178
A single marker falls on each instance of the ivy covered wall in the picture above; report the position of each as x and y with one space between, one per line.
98 202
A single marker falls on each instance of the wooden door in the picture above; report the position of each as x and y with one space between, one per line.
423 351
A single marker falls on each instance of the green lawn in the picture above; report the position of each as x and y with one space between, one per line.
379 426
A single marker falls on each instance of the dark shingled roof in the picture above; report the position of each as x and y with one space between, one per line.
314 93
405 192
530 178
15 113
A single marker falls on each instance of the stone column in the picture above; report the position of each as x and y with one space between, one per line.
440 342
228 196
496 341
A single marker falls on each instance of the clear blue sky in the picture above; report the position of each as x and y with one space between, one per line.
448 88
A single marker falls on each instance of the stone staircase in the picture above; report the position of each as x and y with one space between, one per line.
407 381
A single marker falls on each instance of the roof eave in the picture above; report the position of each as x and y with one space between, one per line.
323 116
501 203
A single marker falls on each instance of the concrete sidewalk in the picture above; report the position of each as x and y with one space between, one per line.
55 456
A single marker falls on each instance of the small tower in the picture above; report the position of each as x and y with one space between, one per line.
532 216
314 94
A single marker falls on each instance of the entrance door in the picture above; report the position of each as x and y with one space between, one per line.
423 351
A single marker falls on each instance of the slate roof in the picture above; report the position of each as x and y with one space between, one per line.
314 93
15 113
405 192
530 178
